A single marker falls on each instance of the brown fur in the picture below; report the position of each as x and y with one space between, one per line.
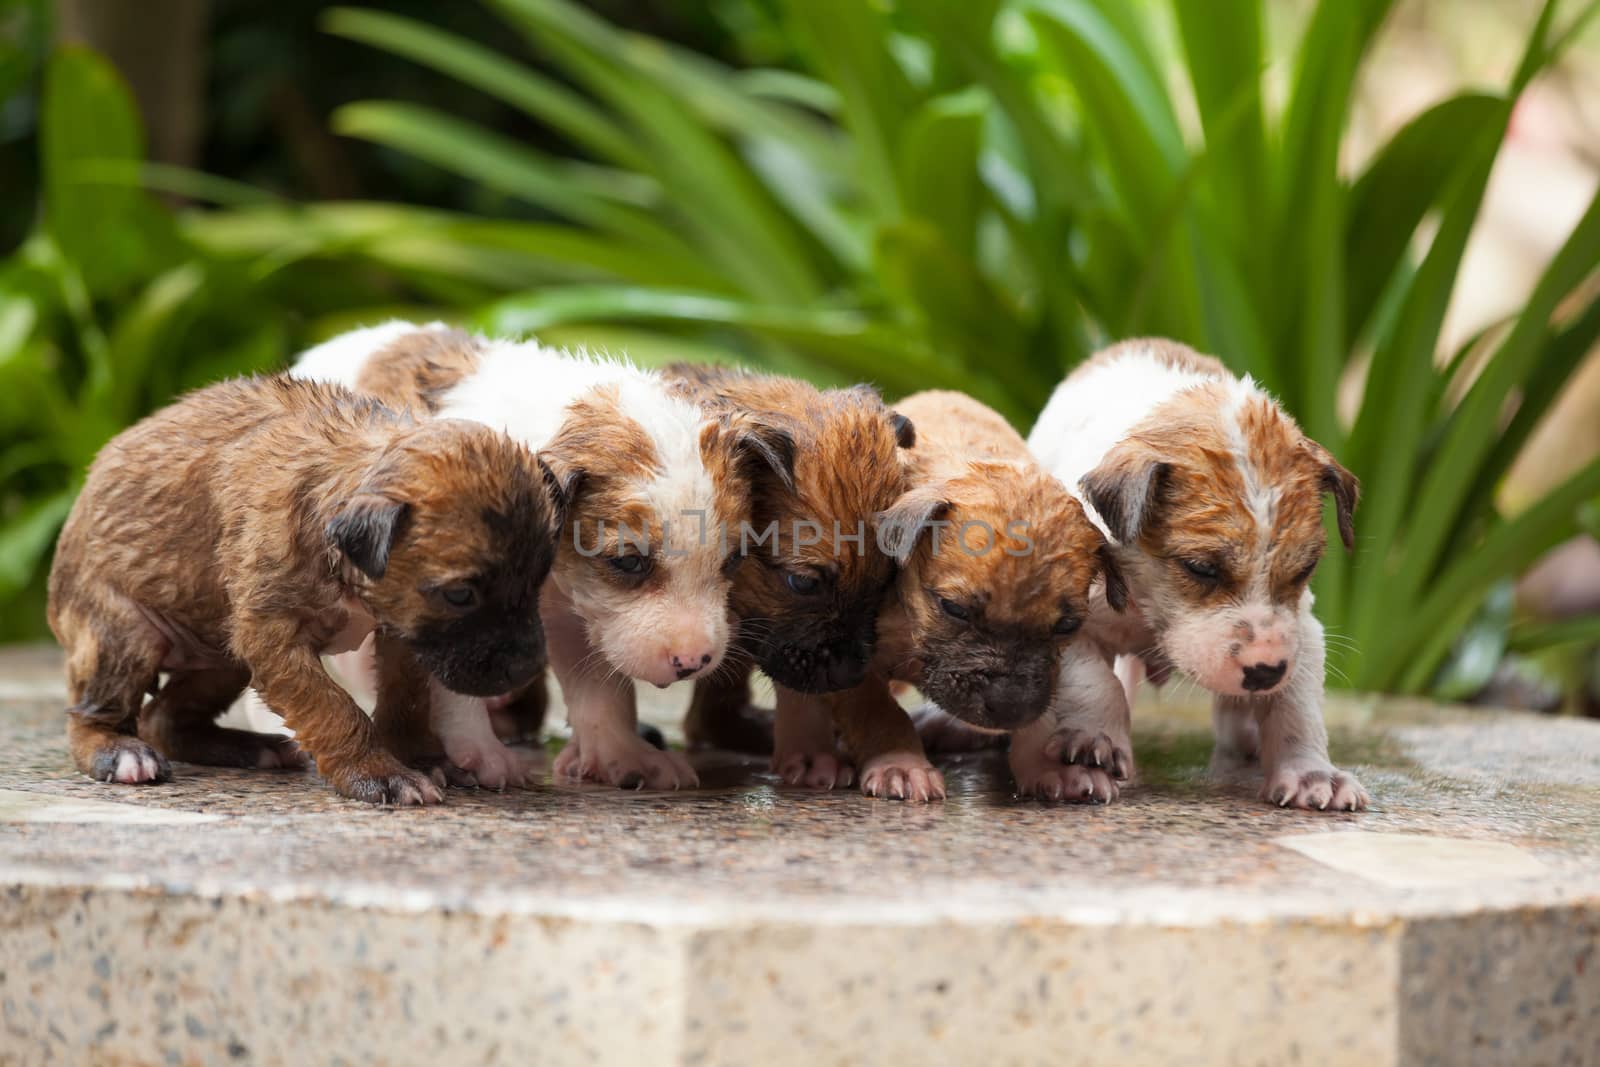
1024 589
847 467
416 370
240 532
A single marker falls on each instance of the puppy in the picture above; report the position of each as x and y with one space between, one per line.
234 536
1213 499
641 579
811 577
997 561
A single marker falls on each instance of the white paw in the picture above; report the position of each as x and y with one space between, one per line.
493 765
1043 775
902 776
136 768
814 770
1091 748
626 761
1318 787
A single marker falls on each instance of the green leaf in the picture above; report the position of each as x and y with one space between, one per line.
25 538
938 166
469 62
1405 179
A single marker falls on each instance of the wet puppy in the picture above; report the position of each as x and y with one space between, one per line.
812 577
640 585
997 561
233 537
1213 498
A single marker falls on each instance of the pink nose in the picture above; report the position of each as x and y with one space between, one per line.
688 663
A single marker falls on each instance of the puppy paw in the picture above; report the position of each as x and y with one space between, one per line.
626 761
385 781
1047 778
129 761
488 763
1315 787
814 770
942 732
1090 748
902 776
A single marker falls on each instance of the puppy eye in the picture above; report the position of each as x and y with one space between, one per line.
954 610
731 564
804 584
1306 572
1199 568
1068 624
634 566
459 596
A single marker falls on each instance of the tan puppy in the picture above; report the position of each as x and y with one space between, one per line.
1213 497
997 561
812 578
232 537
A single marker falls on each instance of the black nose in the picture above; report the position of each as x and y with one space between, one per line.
1264 675
845 672
1010 705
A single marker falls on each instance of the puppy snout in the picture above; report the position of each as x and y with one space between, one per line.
1013 703
846 672
689 663
1260 677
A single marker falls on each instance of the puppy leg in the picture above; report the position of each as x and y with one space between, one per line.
804 750
1294 741
1093 725
879 735
113 659
721 716
327 722
402 718
463 725
519 716
1036 764
605 745
181 723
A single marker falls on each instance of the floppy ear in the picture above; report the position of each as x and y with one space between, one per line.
1126 490
761 447
902 526
905 434
1345 488
365 530
1116 586
562 480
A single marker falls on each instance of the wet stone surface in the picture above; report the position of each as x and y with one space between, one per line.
1495 894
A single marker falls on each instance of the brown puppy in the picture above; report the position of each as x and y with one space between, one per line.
233 537
997 561
812 577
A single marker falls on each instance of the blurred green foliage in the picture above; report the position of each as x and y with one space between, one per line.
971 194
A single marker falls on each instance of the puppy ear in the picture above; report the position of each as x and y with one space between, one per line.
1116 586
761 447
1126 490
905 434
902 526
366 529
1344 486
562 481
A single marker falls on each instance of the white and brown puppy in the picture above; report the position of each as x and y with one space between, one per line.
1213 498
639 589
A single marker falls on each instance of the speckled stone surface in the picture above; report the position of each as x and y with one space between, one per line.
254 917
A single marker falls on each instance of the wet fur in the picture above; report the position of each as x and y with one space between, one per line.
237 534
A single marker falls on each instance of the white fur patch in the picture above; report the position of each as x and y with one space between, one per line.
1261 497
339 360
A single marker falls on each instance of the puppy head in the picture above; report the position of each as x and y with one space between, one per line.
1216 503
448 539
997 569
812 576
658 488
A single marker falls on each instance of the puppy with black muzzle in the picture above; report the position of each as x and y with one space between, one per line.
997 563
1213 498
231 538
811 577
641 581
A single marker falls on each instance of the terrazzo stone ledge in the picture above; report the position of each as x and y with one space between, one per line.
253 917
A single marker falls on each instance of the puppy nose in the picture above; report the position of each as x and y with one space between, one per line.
846 672
1013 703
1264 675
687 663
